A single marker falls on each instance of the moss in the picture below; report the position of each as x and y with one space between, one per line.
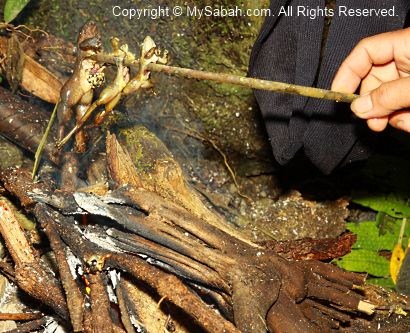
132 138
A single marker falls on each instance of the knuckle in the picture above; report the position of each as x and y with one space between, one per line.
363 42
383 97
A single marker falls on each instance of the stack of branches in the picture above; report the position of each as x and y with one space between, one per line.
153 228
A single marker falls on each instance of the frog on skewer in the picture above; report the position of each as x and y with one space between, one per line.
122 85
77 93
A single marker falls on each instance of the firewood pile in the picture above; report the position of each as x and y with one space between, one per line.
158 232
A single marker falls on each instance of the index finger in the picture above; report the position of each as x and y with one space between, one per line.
375 50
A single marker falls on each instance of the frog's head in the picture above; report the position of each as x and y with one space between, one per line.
91 45
124 48
115 43
147 45
89 39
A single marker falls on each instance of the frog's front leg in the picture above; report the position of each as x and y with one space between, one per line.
113 92
147 84
81 109
164 58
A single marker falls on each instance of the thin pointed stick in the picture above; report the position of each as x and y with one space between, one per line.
402 229
255 83
239 80
37 156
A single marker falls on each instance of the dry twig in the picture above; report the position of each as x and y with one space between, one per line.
75 299
21 316
31 326
30 275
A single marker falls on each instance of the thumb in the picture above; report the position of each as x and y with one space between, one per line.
389 97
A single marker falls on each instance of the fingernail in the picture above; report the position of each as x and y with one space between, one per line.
362 105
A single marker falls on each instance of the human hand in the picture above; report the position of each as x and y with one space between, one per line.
381 64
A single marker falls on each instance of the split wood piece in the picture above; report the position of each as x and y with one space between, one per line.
31 326
222 301
325 290
17 182
100 304
74 297
30 275
88 320
23 70
8 271
150 312
24 124
332 313
321 322
24 221
40 82
238 80
68 231
335 274
21 316
123 304
13 234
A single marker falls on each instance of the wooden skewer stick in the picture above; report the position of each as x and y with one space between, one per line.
239 80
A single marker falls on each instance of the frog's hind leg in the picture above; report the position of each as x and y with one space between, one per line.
80 136
108 108
78 125
81 110
64 115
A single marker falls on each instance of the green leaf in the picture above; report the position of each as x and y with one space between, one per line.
369 238
365 261
383 282
12 8
385 223
392 204
365 252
